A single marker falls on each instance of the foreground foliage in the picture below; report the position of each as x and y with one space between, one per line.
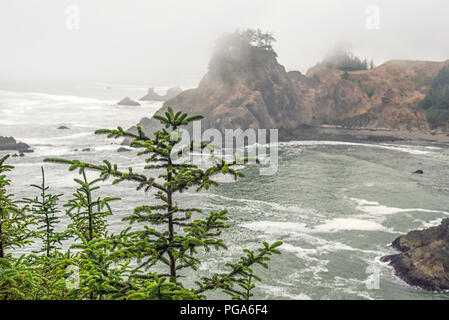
145 260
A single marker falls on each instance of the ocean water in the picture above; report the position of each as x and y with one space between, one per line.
336 205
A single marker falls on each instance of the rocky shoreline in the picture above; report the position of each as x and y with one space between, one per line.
381 135
9 143
423 260
334 133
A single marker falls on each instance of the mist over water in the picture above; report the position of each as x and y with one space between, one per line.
336 205
64 46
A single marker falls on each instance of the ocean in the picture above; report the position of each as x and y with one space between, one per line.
337 206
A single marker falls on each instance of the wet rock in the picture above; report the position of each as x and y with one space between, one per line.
63 128
9 143
87 149
418 172
424 257
123 149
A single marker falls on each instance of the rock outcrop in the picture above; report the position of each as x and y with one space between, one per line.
128 102
153 96
424 257
246 87
9 143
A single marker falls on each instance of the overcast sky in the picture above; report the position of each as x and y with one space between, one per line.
168 42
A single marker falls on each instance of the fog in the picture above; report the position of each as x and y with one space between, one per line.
53 44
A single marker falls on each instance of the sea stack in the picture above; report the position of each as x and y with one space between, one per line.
128 102
153 96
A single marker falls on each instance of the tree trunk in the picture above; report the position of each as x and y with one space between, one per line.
170 225
89 202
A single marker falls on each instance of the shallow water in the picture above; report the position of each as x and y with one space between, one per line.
336 205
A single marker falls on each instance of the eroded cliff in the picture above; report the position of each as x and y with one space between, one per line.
246 87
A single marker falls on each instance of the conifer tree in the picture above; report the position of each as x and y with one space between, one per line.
45 208
14 222
88 214
166 233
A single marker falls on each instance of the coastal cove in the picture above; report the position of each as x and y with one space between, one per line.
337 205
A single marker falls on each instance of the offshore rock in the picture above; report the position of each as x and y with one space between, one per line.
153 96
128 102
424 257
9 143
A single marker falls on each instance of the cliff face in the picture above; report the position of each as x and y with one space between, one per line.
245 89
248 88
385 97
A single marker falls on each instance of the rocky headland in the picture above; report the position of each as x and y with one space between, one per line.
246 87
423 260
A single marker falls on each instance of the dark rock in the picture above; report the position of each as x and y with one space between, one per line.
63 128
424 257
153 96
418 172
9 143
87 149
128 102
21 154
123 149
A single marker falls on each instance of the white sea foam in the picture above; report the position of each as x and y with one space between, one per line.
401 148
329 226
27 96
274 205
376 209
283 293
342 224
61 139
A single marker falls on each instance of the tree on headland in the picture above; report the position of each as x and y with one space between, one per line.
242 52
258 38
345 60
